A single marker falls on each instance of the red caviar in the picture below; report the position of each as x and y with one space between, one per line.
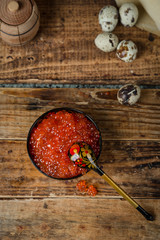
92 191
51 139
82 186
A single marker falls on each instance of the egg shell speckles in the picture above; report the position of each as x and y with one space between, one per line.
107 42
129 94
128 14
108 18
127 51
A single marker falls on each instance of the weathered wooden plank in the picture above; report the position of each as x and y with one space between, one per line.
77 219
21 107
133 165
64 50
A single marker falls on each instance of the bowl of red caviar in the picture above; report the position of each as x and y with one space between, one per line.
51 136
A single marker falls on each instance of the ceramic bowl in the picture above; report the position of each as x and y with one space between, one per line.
43 116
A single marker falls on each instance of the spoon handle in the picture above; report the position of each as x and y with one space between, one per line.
124 194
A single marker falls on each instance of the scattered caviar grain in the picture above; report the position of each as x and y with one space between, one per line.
92 191
82 186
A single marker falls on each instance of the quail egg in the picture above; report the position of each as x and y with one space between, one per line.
107 42
108 18
128 14
129 94
127 51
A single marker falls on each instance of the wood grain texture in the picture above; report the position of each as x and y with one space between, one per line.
72 219
20 26
33 206
137 161
64 51
133 165
21 107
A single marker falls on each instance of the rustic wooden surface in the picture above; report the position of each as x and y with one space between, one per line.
115 121
63 52
33 206
42 219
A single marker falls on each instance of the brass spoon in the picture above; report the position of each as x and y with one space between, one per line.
82 155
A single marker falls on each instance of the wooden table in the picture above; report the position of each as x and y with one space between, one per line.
33 206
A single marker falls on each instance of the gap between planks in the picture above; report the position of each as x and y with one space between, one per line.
70 197
106 140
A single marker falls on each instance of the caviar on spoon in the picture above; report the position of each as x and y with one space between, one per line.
82 155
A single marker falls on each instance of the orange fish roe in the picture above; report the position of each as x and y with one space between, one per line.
82 186
51 139
92 191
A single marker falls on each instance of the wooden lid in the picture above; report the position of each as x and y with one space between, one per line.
15 12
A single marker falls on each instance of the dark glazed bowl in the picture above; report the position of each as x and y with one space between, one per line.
35 124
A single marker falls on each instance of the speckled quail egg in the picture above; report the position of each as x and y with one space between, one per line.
108 18
107 42
127 51
128 14
129 94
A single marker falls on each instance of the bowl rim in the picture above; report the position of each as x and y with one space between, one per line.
41 117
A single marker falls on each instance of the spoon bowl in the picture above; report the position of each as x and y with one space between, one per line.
83 156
